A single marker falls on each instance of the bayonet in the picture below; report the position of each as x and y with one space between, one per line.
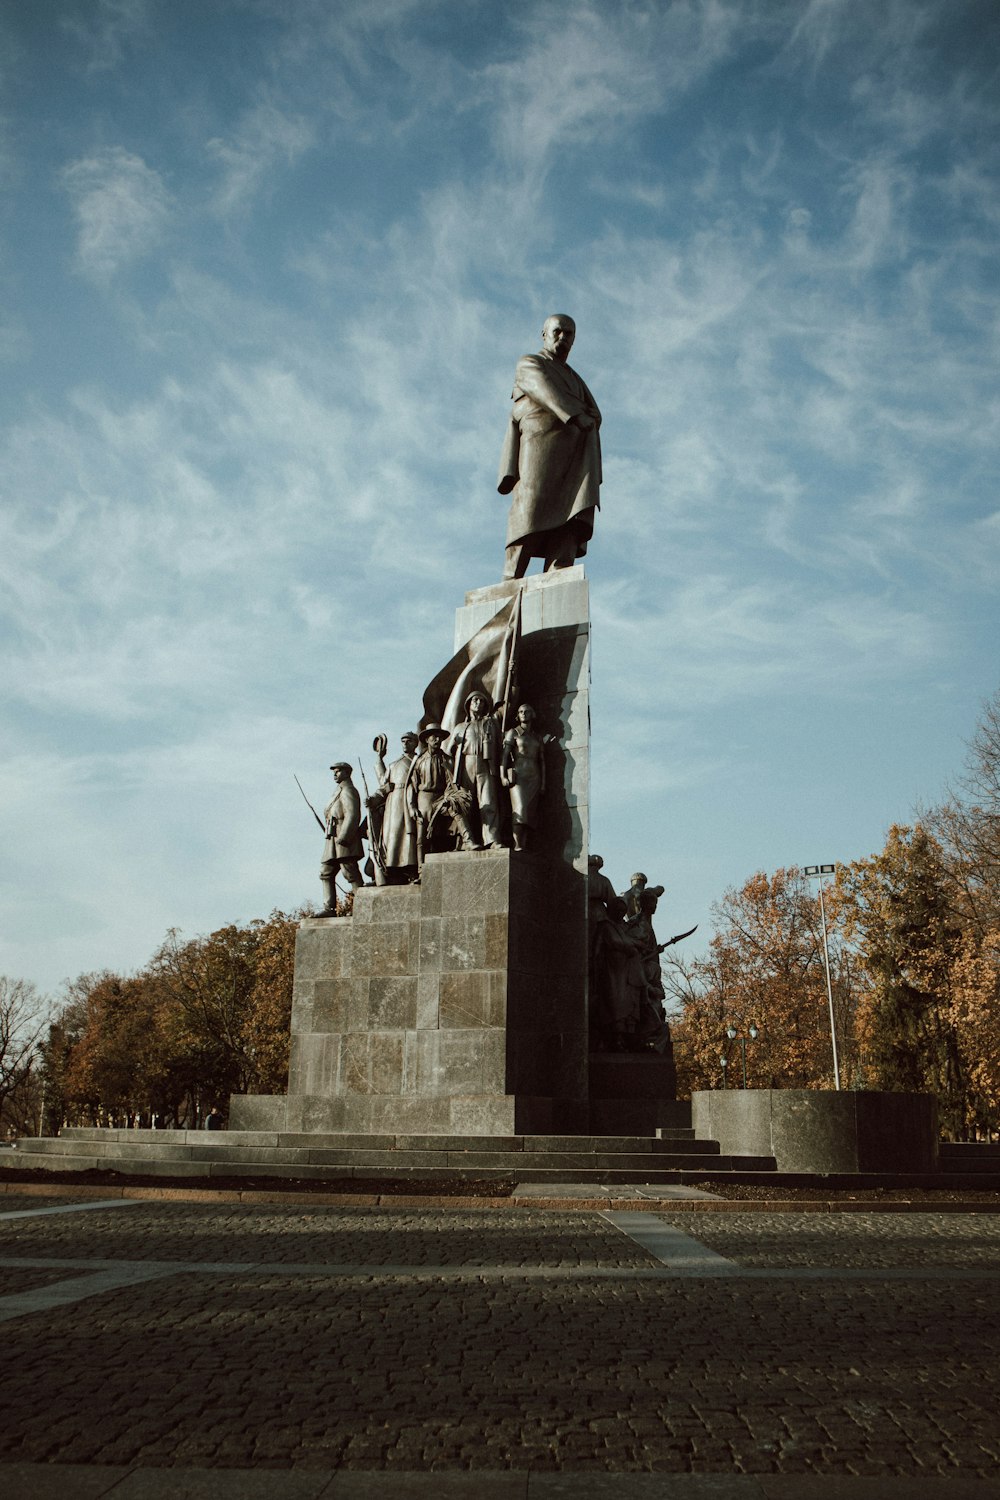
315 814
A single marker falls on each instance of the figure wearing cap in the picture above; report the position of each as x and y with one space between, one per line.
342 849
474 747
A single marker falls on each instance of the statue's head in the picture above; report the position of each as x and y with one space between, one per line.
526 715
639 878
477 705
409 742
341 770
649 898
595 862
558 335
432 737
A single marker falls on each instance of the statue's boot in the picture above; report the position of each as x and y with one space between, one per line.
329 898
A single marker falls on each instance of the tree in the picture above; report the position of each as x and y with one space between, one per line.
22 1021
967 826
119 1064
900 912
765 968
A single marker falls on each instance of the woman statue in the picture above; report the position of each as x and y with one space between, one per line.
522 770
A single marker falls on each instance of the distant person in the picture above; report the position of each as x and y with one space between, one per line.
215 1120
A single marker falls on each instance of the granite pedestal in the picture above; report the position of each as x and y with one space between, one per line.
457 1006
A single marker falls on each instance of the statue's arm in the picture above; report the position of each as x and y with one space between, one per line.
507 759
535 378
350 828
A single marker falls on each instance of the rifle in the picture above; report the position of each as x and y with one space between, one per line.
315 814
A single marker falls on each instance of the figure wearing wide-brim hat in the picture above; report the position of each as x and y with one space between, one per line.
342 848
430 789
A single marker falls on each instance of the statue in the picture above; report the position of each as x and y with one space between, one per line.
474 746
626 987
342 847
633 896
551 458
389 816
522 771
431 792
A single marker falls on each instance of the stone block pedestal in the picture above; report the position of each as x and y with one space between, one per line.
456 1006
822 1130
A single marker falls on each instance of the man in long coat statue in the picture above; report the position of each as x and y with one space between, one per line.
551 460
342 848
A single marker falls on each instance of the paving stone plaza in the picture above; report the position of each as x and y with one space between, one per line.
171 1347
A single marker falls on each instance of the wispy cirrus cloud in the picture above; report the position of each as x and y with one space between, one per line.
107 29
122 209
265 140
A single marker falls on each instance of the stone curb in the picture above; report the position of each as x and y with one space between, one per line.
410 1201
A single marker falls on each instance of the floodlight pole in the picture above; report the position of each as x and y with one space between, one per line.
819 871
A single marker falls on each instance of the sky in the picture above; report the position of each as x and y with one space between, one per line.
266 267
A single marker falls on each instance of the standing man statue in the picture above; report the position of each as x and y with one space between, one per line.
551 460
342 849
474 746
432 796
397 831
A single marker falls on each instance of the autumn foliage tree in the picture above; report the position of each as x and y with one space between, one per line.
206 1018
764 968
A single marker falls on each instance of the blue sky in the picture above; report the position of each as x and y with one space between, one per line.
265 271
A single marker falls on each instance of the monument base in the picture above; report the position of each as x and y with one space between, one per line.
634 1094
456 1006
822 1130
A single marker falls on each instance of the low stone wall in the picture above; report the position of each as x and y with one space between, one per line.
822 1130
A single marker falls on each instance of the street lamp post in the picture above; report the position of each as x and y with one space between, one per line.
817 872
724 1064
733 1036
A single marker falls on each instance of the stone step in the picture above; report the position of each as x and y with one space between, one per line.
150 1166
969 1157
331 1141
250 1158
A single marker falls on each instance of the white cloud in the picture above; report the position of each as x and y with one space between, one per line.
122 208
108 29
265 140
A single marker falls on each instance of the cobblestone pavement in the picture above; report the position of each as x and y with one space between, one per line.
348 1353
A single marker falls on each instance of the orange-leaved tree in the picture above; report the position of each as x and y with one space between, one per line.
764 970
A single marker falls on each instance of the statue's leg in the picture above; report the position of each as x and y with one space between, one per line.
326 880
560 547
515 560
489 812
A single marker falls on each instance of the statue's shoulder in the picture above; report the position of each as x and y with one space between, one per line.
533 362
